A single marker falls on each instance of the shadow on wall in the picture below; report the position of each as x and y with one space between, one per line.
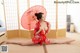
2 21
2 27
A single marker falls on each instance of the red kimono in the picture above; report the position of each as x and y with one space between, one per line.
42 36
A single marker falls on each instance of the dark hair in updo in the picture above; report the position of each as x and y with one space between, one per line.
39 15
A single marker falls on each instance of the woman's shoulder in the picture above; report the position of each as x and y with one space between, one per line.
47 22
38 23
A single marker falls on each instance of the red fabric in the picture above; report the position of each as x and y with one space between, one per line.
42 36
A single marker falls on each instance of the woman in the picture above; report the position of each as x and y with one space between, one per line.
41 30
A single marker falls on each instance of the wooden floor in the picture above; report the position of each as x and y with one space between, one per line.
74 47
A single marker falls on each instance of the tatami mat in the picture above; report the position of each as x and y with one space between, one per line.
62 48
12 48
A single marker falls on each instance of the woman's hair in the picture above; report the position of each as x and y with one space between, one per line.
39 15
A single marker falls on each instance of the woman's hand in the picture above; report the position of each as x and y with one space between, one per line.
37 36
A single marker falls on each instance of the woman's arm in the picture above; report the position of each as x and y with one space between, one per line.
49 26
39 31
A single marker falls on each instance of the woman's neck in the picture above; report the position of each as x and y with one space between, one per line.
41 20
